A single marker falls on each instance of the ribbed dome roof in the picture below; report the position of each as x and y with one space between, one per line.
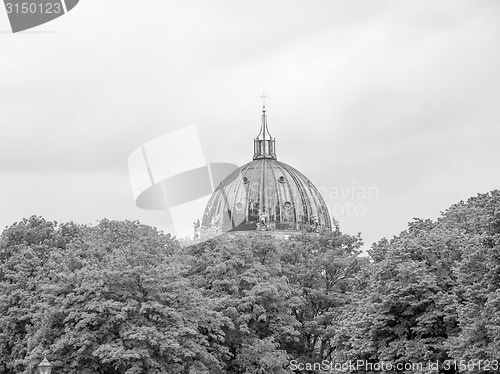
266 194
265 185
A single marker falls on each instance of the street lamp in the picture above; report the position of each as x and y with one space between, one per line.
45 366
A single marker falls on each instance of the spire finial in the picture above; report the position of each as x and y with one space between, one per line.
264 143
263 97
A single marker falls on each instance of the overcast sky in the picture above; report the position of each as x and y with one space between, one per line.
400 99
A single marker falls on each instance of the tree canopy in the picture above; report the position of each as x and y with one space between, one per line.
122 297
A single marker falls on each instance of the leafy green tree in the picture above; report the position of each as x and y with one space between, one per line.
283 297
407 312
120 303
24 249
433 289
478 274
106 299
241 274
324 272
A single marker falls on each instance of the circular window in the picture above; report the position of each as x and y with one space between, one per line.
287 205
239 206
245 180
281 179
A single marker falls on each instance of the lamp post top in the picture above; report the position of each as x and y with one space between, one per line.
45 366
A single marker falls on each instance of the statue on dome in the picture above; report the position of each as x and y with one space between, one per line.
196 226
262 223
314 222
215 221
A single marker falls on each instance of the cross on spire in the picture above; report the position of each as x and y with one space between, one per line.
263 97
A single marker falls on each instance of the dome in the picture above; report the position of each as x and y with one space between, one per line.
266 194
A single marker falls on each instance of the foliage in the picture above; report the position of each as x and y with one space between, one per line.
121 297
432 295
278 295
110 301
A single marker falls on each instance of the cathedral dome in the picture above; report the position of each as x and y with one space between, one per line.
266 194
